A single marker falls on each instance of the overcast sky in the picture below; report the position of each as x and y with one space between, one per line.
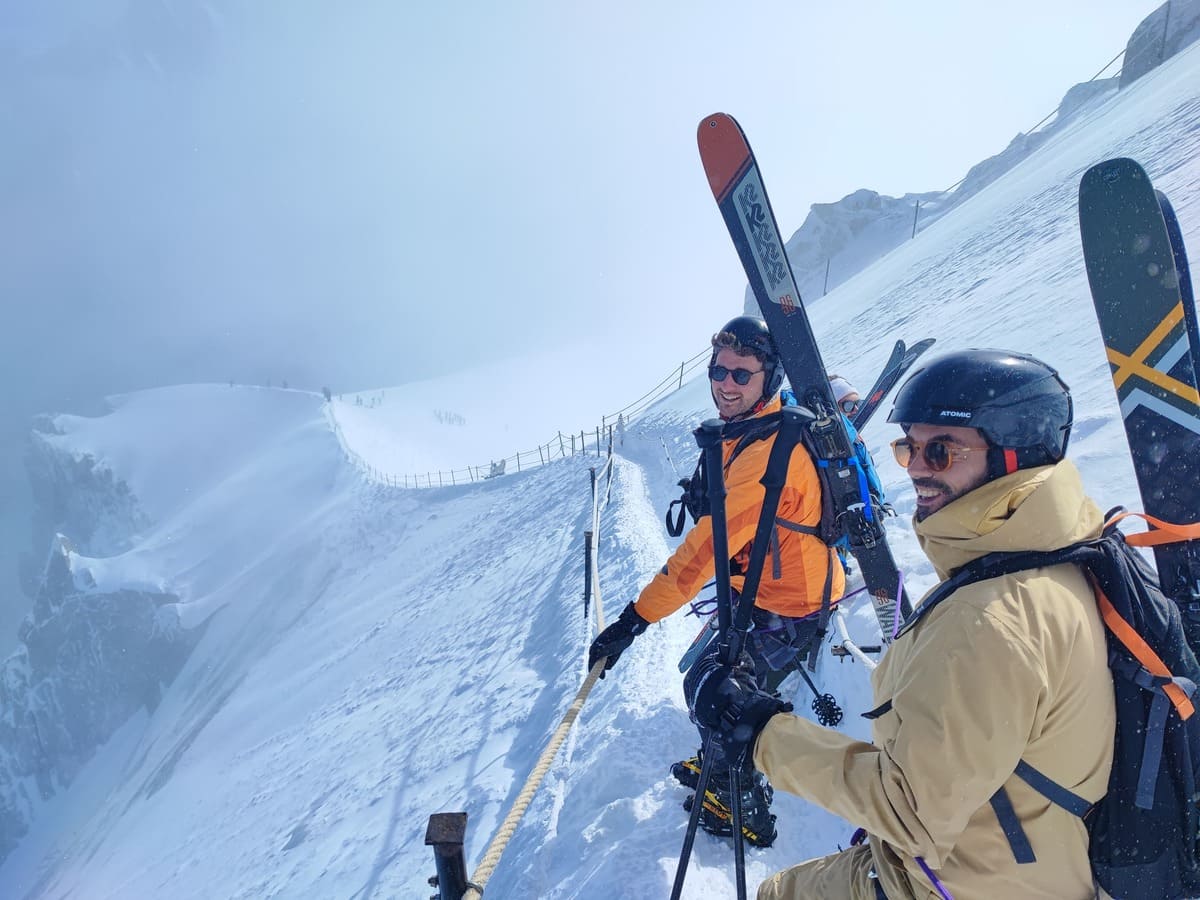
364 193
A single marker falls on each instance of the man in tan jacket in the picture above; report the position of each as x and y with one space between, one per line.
1006 670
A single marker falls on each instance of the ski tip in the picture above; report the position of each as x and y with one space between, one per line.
723 150
1110 171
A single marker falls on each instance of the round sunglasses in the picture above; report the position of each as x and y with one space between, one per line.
939 455
740 376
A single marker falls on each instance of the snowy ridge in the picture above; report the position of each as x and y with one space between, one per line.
838 240
362 657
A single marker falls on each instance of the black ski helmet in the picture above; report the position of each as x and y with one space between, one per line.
750 333
1020 405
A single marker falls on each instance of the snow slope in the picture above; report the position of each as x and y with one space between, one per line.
365 656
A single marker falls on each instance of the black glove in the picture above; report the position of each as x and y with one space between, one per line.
616 638
727 701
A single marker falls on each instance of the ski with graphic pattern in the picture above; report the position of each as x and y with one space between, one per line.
1137 269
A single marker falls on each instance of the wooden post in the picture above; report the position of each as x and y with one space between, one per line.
561 447
543 458
445 834
825 289
916 213
440 484
680 375
597 441
572 445
518 460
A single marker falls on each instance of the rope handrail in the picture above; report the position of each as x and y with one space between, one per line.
1050 114
491 856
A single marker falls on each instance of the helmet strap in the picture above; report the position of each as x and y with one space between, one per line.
1003 461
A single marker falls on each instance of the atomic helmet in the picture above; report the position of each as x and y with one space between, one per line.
1020 405
750 333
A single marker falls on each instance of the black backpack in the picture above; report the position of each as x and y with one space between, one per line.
851 475
1143 832
694 500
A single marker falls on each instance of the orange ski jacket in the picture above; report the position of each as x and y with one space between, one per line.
798 565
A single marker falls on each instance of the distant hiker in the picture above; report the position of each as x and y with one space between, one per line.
1008 671
802 574
846 395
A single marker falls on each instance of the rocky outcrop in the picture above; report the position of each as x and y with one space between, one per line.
89 656
1161 35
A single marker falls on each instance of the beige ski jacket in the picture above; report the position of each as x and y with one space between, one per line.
1003 670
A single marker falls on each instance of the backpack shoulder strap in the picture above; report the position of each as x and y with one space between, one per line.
996 564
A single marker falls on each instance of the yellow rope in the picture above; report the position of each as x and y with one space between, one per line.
492 855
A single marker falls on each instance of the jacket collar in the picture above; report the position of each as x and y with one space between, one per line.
1043 508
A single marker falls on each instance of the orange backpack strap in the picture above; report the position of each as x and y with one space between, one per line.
1142 652
1163 533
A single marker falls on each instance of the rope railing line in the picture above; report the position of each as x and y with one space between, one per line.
508 827
491 856
1051 114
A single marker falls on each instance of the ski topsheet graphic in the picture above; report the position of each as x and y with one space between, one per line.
1147 319
737 186
900 362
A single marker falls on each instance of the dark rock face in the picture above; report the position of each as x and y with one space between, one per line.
89 657
1162 34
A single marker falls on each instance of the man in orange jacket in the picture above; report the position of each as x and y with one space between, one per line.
801 574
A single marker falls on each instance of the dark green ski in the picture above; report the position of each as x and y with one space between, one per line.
1147 318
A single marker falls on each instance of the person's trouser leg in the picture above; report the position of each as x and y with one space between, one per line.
840 876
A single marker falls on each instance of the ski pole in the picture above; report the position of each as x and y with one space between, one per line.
773 479
708 437
733 628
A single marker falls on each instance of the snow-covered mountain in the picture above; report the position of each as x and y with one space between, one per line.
253 673
838 240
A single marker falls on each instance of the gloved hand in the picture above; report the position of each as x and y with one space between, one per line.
727 701
616 638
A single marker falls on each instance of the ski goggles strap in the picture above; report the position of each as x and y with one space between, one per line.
1163 532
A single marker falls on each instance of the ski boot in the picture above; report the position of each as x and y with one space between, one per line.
687 771
758 822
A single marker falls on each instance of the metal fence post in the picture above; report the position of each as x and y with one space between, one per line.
587 568
445 834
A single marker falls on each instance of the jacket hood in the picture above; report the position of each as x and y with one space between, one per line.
1043 508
